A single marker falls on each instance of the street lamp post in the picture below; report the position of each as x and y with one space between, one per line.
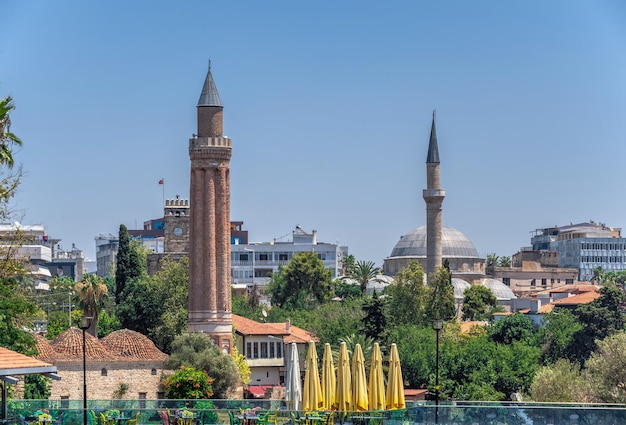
85 322
437 325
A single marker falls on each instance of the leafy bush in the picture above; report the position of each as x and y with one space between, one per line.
188 383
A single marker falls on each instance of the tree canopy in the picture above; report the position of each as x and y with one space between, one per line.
302 284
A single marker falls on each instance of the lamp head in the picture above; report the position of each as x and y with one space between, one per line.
437 324
85 322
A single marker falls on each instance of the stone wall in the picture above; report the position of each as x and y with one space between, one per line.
140 377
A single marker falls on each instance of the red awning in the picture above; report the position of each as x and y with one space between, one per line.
258 391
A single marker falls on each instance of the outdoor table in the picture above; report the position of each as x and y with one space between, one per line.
248 419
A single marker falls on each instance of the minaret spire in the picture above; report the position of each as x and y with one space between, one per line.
433 196
433 149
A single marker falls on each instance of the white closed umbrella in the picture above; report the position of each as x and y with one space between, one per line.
293 385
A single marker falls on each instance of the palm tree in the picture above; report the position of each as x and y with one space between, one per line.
363 272
504 262
347 264
7 139
92 294
492 260
598 275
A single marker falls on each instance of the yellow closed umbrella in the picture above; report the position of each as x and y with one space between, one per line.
359 381
343 393
395 386
376 383
312 398
328 379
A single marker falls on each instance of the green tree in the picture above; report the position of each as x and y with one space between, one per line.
7 139
188 383
36 387
441 302
130 262
347 263
139 306
560 382
15 318
516 327
600 318
408 296
492 260
303 283
598 275
617 277
605 370
171 284
478 303
197 351
375 320
504 262
92 296
557 334
345 290
364 272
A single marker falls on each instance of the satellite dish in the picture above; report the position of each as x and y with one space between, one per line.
264 313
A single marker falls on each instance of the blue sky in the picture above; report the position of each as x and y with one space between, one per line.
328 105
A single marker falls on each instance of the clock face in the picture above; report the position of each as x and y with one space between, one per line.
178 231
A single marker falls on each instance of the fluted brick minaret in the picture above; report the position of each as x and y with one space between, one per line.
433 196
209 237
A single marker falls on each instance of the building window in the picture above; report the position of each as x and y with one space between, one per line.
263 256
249 350
533 282
256 350
160 395
142 400
65 401
279 350
506 281
272 352
544 282
569 281
103 372
264 350
153 371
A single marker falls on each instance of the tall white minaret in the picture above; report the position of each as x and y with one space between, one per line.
433 196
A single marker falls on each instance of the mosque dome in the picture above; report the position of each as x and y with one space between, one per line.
459 286
454 244
499 289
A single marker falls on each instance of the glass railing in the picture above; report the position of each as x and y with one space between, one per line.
207 412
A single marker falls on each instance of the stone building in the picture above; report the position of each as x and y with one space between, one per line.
124 364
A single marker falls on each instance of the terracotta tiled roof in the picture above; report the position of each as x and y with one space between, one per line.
572 289
582 298
296 334
247 326
251 327
45 350
11 360
123 345
69 346
132 345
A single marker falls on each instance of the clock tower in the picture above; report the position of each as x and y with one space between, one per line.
176 224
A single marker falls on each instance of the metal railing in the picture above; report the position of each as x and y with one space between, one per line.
21 412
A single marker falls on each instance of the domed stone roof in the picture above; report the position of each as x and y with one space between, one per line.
459 286
45 350
69 345
454 244
499 289
130 344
